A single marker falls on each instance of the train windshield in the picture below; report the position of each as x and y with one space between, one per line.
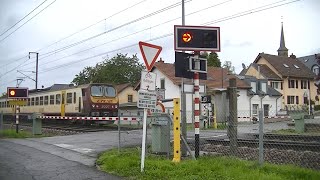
110 91
96 91
103 91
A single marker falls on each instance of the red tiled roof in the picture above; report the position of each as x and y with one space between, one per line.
216 77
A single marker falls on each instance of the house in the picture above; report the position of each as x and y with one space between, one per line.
288 75
216 85
128 97
311 62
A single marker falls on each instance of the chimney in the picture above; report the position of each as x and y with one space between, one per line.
293 56
161 60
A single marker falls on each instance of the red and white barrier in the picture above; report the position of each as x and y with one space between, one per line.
91 118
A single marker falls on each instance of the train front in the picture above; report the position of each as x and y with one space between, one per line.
104 101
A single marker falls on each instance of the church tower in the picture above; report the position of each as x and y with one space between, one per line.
282 51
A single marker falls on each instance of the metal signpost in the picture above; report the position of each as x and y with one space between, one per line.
147 98
195 38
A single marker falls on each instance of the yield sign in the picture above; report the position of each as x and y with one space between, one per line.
149 53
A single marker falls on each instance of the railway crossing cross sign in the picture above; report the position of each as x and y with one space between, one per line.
150 53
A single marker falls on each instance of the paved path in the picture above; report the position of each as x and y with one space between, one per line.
59 157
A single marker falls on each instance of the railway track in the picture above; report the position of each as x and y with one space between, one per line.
271 144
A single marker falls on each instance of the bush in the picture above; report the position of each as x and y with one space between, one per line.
317 107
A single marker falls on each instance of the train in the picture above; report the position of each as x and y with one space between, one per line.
93 100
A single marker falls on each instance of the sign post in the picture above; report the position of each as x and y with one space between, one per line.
147 95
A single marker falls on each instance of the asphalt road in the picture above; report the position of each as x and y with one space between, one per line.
21 162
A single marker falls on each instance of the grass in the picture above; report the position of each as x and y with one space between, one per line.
10 133
292 131
127 164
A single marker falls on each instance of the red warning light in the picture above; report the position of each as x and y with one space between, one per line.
12 93
186 37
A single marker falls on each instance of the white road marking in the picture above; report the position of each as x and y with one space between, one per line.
74 148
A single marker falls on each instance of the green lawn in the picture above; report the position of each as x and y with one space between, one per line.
127 164
10 133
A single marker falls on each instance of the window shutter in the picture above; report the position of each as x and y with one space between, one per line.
297 99
308 84
288 100
297 84
281 85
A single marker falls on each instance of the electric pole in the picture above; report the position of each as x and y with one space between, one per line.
37 59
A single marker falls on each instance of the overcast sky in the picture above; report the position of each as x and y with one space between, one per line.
123 23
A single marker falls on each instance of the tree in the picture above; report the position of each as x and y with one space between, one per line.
228 65
117 70
212 59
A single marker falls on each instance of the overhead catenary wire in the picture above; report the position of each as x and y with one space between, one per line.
22 18
215 5
27 21
170 34
248 12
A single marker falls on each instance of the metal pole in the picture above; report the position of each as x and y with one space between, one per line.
233 116
144 134
261 136
196 108
119 132
37 54
183 101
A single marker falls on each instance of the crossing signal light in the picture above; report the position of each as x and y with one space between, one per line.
14 92
197 38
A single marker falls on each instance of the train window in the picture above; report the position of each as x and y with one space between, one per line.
46 100
74 98
96 91
41 100
32 101
69 98
51 99
110 91
37 101
28 101
58 98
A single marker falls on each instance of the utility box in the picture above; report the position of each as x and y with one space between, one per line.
160 133
298 122
37 124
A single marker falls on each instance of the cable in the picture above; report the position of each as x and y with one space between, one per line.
13 61
170 34
208 23
70 35
22 18
113 29
27 21
131 34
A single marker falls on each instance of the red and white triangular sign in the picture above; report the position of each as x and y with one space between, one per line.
149 53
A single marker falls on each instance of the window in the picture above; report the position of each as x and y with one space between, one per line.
290 99
41 100
69 98
285 65
29 101
281 85
32 101
58 98
162 84
264 87
304 84
254 87
275 85
297 84
291 83
37 101
130 98
297 99
255 109
305 100
46 100
297 67
74 98
315 69
51 99
110 91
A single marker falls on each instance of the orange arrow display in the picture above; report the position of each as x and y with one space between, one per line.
186 37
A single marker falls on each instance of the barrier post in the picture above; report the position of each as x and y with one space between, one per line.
176 130
37 124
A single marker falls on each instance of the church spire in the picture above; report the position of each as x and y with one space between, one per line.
282 51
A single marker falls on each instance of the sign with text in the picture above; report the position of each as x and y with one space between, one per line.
148 81
147 99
